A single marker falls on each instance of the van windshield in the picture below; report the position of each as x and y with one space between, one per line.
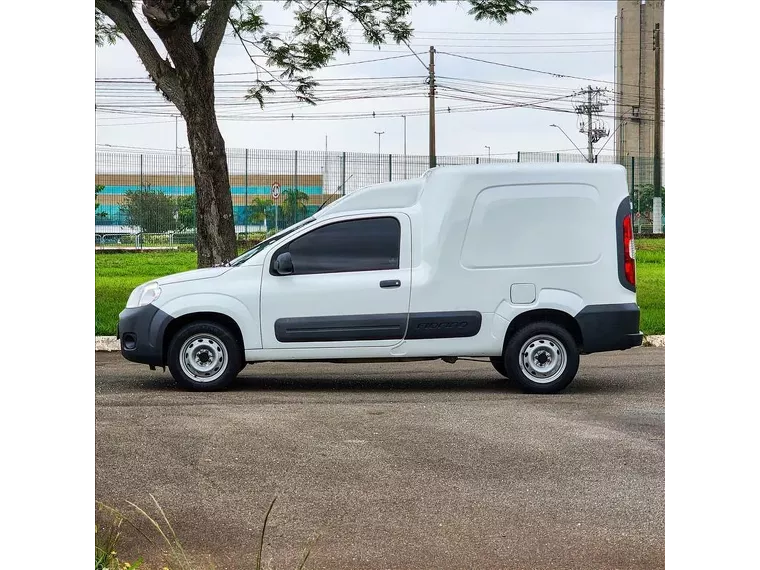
261 246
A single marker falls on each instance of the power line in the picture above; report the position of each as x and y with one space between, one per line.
602 43
145 80
131 124
552 73
459 32
548 52
341 116
276 70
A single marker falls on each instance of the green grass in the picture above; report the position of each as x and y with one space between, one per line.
116 274
650 282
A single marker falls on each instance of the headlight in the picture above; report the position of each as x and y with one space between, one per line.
143 295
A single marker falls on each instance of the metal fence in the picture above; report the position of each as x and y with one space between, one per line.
148 200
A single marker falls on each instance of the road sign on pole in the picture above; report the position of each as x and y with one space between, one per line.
275 190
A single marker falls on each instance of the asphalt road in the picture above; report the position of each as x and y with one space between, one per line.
414 466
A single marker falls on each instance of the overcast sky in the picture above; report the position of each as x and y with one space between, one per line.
563 37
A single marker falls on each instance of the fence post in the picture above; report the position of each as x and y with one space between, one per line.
295 170
245 210
390 168
518 156
343 174
557 157
637 207
295 177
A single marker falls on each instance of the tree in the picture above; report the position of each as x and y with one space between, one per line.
153 211
98 189
643 204
294 205
259 210
191 31
643 200
186 206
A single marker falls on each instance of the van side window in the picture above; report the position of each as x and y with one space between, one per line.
371 244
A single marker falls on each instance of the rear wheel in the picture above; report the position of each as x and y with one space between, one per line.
542 358
204 356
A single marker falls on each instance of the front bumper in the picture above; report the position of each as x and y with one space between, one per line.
141 334
610 327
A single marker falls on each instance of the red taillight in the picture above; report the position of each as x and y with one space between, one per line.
629 251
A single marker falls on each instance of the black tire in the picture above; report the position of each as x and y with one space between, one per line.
215 340
551 343
498 364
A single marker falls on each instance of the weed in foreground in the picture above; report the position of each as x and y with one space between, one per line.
106 540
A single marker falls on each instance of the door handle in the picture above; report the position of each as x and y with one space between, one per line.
390 283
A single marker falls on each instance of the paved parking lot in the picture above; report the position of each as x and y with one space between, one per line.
414 466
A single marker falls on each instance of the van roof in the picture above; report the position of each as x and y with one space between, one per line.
406 193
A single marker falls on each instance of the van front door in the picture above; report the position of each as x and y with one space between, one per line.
347 283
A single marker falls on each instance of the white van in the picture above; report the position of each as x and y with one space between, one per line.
526 265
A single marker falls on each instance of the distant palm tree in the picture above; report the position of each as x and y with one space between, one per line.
294 205
258 210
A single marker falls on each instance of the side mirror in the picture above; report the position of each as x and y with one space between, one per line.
283 264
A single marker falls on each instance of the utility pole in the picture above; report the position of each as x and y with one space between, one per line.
431 81
589 106
489 153
379 156
657 202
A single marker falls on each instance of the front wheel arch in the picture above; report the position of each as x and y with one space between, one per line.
219 318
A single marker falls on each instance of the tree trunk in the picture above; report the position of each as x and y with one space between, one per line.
216 239
188 81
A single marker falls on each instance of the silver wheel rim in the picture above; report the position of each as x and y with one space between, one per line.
203 358
543 359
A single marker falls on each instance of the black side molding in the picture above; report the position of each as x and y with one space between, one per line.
396 326
455 324
341 328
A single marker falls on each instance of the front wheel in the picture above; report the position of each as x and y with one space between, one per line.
204 356
542 358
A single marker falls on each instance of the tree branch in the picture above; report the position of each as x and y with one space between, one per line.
257 94
160 71
368 32
214 27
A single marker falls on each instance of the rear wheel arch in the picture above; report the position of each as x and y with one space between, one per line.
545 315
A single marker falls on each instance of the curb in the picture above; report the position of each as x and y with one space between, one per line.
657 340
110 344
106 344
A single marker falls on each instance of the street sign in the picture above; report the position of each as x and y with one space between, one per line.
275 190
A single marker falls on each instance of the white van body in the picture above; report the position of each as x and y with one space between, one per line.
453 264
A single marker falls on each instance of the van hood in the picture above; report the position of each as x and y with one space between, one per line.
193 275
